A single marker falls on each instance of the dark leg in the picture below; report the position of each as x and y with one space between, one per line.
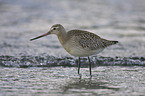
90 66
79 65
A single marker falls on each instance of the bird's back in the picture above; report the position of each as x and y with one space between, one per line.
88 40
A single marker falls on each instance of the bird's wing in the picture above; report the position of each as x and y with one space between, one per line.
89 40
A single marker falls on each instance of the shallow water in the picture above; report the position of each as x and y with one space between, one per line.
43 67
58 81
111 19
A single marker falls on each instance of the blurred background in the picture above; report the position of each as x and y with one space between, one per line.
122 20
43 68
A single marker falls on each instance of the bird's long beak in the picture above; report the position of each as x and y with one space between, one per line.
41 36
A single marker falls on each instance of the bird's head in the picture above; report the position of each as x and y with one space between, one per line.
56 29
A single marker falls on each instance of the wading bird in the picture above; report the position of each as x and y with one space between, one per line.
79 43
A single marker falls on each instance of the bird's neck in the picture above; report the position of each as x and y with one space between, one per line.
62 37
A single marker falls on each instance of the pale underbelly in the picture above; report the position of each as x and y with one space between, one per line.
83 52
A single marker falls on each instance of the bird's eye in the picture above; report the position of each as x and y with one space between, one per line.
54 28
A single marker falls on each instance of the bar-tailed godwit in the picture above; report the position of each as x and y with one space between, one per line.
79 43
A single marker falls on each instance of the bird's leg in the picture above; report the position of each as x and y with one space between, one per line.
79 65
90 66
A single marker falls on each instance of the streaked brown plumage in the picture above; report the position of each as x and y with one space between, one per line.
78 42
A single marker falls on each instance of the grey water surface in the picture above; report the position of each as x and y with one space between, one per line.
43 67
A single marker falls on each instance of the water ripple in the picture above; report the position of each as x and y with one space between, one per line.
51 61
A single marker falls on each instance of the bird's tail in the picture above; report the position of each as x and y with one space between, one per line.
114 42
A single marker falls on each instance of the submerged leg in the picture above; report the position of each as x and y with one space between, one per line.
90 66
79 65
